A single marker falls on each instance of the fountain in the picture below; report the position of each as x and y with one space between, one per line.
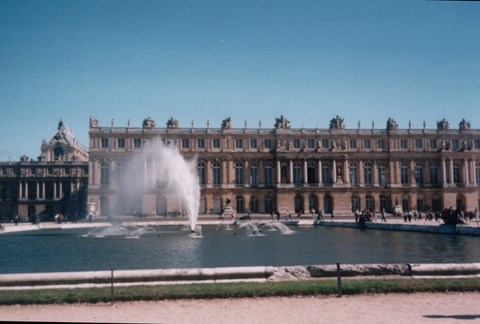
171 172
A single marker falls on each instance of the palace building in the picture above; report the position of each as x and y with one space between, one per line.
281 168
55 183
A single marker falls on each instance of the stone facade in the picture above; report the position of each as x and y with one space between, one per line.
335 169
56 182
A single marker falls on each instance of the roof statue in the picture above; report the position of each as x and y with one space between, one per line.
172 123
282 122
391 124
148 123
464 125
63 135
93 122
442 125
337 123
227 123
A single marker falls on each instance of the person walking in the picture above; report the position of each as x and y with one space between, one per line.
384 218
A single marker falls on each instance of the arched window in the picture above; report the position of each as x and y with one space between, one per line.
312 202
254 204
240 204
383 202
328 203
298 203
268 204
369 203
239 174
58 153
355 203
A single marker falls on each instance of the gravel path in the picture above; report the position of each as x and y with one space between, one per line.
391 308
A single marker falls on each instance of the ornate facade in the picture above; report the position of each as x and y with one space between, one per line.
336 169
54 183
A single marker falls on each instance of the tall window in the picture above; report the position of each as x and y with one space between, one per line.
200 143
216 143
104 142
353 174
120 142
419 174
418 143
382 174
369 203
268 174
57 153
311 143
185 143
456 173
367 174
381 144
403 143
367 144
383 202
297 173
296 143
254 204
268 204
325 144
353 144
477 172
104 175
202 174
267 143
355 203
434 174
239 143
239 174
240 204
404 174
311 167
137 143
326 178
253 175
433 144
253 143
217 174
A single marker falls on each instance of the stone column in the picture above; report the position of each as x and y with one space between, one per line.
279 172
426 172
451 171
305 172
444 172
391 172
346 177
465 172
361 173
319 169
474 172
38 190
246 172
334 171
290 171
411 167
375 175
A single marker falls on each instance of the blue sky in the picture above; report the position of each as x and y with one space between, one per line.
412 60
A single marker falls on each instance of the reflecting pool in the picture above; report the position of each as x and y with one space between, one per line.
154 247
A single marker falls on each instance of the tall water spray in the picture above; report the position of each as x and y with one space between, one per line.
165 167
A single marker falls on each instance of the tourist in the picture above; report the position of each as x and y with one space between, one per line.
476 215
384 219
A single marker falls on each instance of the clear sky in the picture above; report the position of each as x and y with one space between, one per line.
253 60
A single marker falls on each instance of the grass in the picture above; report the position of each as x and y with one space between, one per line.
236 290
